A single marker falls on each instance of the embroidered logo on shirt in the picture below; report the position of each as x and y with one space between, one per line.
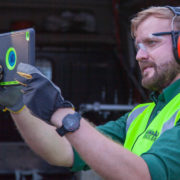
151 135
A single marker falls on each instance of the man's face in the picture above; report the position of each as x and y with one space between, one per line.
155 55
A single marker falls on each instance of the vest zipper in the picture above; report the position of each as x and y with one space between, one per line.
137 139
144 129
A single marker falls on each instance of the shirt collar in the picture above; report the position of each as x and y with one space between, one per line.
167 94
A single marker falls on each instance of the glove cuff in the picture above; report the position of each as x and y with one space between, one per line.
67 104
64 104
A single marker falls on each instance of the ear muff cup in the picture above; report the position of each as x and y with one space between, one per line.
178 46
175 34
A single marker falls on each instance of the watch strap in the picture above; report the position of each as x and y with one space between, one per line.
61 131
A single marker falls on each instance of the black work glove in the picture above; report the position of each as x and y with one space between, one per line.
40 95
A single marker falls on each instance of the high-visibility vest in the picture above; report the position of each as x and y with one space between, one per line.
139 135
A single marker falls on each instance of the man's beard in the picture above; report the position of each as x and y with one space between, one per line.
163 75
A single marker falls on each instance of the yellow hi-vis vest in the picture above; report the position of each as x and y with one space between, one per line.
139 135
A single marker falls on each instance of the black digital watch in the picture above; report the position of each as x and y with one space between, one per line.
70 123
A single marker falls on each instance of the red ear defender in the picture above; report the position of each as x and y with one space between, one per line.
178 46
175 34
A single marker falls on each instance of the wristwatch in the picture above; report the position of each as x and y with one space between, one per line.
70 123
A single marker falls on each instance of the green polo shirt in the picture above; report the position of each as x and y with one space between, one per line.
163 158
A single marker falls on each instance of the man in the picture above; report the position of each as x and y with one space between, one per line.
143 144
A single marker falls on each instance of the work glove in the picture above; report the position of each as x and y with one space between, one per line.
11 98
40 95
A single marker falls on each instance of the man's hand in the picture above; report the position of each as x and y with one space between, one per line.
11 98
40 95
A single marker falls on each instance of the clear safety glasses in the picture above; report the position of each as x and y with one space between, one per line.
153 41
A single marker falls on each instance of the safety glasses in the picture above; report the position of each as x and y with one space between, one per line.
154 41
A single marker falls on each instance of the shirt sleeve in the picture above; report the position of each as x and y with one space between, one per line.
113 129
163 159
116 130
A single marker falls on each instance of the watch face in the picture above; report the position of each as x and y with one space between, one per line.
71 122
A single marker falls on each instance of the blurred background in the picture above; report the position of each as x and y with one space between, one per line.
85 47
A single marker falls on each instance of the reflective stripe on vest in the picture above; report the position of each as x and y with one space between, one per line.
170 123
133 115
139 137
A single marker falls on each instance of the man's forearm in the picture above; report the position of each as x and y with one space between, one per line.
106 157
43 139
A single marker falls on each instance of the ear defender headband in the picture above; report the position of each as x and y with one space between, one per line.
174 34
